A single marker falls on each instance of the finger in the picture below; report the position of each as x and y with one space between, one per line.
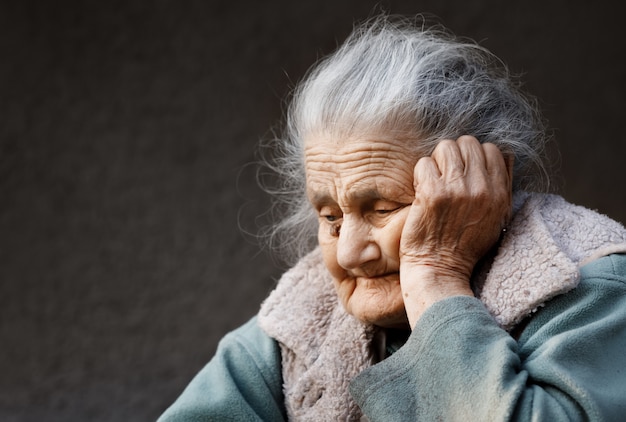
448 158
510 164
500 168
495 162
426 172
472 154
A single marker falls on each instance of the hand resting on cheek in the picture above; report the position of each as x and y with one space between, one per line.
463 196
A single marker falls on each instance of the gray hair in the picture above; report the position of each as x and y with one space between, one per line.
417 83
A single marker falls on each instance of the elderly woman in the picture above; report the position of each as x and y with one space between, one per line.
440 288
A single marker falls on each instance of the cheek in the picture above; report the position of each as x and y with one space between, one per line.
390 234
328 246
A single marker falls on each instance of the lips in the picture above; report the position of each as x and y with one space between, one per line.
380 277
387 274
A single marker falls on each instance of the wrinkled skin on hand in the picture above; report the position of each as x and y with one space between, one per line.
463 196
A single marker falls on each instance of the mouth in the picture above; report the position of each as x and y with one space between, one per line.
390 276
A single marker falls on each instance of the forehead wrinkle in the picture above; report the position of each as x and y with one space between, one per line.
345 160
358 189
341 164
375 185
352 149
333 169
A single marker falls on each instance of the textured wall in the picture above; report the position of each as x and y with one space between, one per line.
126 128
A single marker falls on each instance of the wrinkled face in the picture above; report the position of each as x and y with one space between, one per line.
362 190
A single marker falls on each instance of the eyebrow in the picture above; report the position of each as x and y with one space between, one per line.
324 198
320 198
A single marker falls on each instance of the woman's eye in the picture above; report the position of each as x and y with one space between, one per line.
386 209
330 214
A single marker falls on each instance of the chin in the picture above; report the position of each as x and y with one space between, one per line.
376 304
393 318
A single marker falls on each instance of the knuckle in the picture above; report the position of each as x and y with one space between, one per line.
467 139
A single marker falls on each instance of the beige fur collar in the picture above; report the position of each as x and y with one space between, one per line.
547 242
323 347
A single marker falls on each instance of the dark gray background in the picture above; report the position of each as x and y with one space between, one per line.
126 128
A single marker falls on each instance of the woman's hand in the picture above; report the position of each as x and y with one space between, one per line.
462 201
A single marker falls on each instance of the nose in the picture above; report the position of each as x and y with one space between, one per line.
355 246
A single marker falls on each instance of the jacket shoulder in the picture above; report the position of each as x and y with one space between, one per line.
610 267
243 381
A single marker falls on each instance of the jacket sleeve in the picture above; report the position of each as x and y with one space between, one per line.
242 382
458 364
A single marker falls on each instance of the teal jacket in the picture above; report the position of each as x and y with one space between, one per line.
566 363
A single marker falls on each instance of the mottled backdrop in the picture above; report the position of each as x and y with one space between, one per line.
126 133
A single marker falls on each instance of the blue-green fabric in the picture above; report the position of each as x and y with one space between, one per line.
569 363
241 383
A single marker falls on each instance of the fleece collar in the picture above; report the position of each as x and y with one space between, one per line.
322 346
539 258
